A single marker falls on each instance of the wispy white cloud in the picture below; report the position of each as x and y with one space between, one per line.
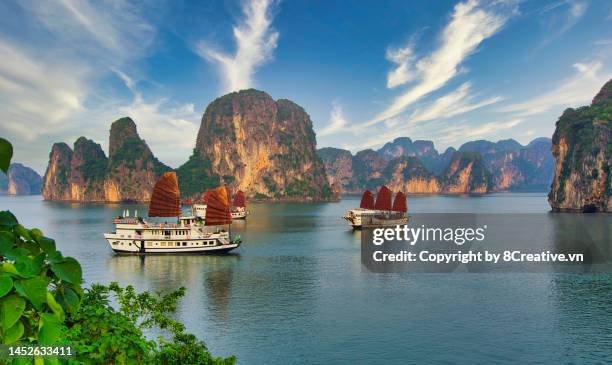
108 32
565 15
255 40
454 103
470 24
337 121
462 132
37 94
162 123
403 72
53 83
576 90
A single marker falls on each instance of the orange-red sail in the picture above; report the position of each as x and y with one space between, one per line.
383 200
166 197
218 207
399 203
367 200
239 199
205 196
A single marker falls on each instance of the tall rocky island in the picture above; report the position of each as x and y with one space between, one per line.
247 140
85 173
582 147
20 180
265 147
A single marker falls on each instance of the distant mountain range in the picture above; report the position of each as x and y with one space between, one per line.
417 167
20 180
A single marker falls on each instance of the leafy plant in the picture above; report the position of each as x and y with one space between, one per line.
38 286
103 335
42 302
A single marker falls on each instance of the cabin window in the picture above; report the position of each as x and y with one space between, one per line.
163 244
184 243
170 244
130 243
115 243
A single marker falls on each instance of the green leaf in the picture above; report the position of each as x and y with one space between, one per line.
26 266
22 231
56 308
11 309
50 329
7 267
6 241
47 244
55 257
14 333
68 270
6 284
8 219
6 153
70 300
35 290
36 234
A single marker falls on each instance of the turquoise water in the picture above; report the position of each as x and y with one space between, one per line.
295 292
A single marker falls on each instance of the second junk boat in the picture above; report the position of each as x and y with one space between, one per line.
237 210
189 234
380 213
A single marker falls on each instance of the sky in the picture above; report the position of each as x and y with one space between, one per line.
366 71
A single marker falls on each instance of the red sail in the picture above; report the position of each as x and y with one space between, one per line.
239 199
399 203
383 200
166 197
205 197
218 207
229 195
367 200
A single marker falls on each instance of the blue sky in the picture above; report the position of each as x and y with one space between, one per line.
366 72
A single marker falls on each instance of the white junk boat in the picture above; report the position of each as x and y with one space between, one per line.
188 235
379 214
237 211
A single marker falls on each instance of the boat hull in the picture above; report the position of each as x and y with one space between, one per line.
220 250
208 246
359 219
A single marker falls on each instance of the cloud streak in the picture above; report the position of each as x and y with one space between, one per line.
469 26
573 91
561 23
255 44
337 121
454 103
36 93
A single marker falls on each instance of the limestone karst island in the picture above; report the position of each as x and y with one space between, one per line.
236 182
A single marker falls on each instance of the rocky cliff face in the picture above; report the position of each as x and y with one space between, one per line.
480 166
408 174
514 167
261 146
86 174
21 180
467 173
132 169
582 148
56 182
339 167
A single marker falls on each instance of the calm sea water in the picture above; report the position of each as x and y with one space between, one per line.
295 292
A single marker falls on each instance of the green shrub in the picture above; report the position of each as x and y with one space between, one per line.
42 303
